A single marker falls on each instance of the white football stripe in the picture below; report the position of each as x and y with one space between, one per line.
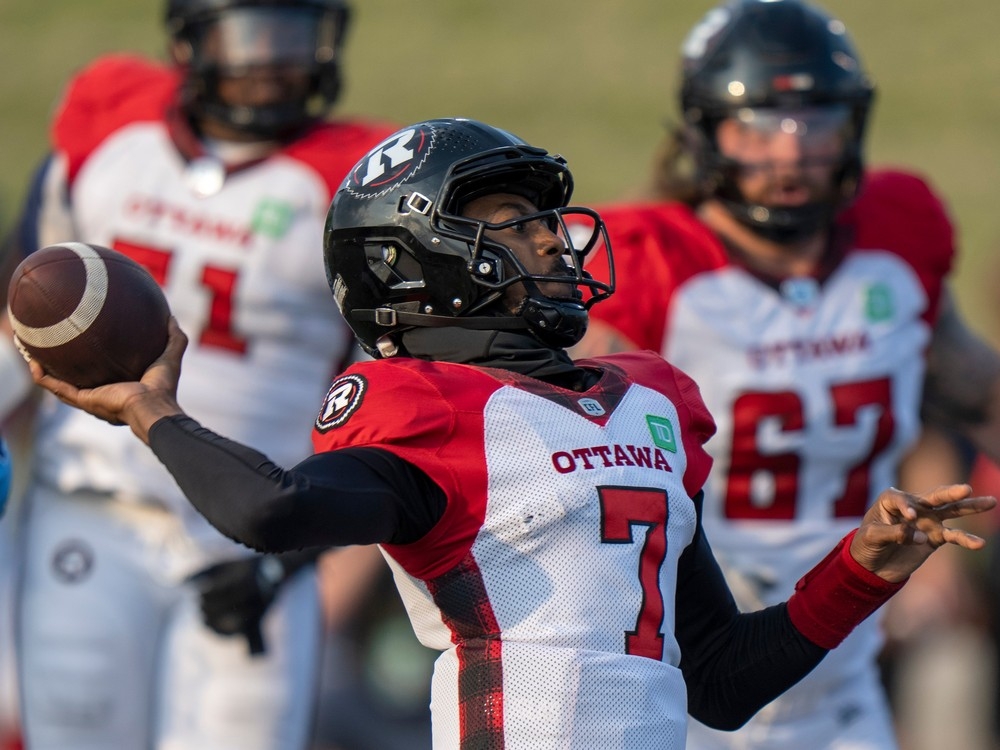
91 302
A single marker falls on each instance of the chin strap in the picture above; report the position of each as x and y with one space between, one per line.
389 318
556 323
781 224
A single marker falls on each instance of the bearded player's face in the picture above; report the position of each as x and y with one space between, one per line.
785 157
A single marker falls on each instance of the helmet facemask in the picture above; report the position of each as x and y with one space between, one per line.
826 162
557 319
264 72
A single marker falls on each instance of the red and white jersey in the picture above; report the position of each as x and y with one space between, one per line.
240 261
556 501
814 383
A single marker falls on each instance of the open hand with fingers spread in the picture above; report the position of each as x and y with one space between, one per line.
901 530
135 403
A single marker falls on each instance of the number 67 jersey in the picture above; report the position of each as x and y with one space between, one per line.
554 566
814 382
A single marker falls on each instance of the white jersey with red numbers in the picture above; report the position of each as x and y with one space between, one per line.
556 501
242 269
114 649
814 383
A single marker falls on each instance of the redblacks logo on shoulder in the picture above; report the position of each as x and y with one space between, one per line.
396 158
342 400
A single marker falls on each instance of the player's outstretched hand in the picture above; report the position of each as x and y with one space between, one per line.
135 403
901 530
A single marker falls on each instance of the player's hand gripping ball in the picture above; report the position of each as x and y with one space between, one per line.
89 315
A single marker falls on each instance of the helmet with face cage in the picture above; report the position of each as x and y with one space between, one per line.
213 38
399 253
779 55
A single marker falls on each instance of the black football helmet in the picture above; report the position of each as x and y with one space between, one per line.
236 36
399 253
771 54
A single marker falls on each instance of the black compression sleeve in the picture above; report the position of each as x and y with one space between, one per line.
733 664
353 496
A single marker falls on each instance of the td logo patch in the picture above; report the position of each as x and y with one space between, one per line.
662 431
272 218
879 303
342 400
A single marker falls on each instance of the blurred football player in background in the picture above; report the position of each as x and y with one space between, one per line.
807 298
542 516
141 626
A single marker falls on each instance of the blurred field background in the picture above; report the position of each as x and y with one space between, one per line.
592 80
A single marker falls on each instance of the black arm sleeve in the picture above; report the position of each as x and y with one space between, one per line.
733 663
351 496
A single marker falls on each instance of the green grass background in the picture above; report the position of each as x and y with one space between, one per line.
592 80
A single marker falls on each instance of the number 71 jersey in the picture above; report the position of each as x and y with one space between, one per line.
549 582
237 250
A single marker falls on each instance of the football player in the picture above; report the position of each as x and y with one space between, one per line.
542 517
142 626
807 296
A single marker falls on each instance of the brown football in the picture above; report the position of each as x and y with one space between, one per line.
88 314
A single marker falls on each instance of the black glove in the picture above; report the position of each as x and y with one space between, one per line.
236 594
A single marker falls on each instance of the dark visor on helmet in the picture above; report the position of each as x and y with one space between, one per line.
245 38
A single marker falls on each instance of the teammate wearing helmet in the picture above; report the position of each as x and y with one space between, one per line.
542 517
142 626
807 298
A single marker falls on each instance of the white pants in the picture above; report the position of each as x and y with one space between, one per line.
114 653
851 716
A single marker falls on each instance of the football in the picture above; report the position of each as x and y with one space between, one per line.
90 315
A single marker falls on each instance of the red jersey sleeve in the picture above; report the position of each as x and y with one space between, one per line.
899 212
431 416
108 94
655 247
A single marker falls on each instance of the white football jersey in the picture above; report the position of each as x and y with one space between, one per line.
816 402
550 581
814 382
238 254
